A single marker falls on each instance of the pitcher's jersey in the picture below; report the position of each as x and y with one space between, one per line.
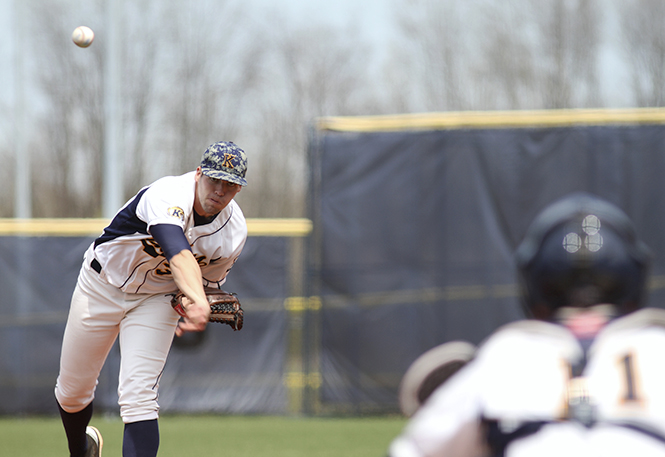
130 258
525 376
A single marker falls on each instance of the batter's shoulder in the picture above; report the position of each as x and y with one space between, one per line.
646 321
529 338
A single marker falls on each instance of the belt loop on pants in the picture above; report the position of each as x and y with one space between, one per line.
95 265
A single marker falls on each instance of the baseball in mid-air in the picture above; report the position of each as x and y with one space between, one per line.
83 36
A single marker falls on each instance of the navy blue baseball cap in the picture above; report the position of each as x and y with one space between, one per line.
226 161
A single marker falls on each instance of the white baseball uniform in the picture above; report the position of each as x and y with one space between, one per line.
524 391
124 288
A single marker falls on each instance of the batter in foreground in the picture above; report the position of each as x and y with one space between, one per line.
180 233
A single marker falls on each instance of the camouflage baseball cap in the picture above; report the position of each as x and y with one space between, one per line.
226 161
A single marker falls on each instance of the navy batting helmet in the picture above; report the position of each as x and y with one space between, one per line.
581 251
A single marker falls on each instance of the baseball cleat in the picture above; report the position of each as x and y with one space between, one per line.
95 442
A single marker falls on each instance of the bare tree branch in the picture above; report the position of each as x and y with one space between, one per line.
642 25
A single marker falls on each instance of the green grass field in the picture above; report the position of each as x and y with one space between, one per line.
237 436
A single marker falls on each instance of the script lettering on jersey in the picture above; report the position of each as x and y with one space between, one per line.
152 248
165 268
201 260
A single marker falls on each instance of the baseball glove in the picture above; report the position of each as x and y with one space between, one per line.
224 307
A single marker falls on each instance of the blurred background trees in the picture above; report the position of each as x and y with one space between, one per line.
198 72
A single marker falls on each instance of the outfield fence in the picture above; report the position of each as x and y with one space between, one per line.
251 371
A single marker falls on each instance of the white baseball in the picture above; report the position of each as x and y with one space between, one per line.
83 36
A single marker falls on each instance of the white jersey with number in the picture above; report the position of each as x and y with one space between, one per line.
523 376
130 258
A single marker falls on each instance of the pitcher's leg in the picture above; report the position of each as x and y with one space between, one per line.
141 439
146 335
92 327
75 425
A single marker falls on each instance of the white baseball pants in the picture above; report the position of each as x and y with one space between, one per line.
100 313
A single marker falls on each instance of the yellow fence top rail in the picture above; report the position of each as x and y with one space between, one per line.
492 119
296 227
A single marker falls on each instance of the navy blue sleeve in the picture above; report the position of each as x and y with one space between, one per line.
170 238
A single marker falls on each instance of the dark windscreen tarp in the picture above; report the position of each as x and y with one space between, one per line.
416 232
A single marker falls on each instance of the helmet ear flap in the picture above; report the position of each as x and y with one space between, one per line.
579 252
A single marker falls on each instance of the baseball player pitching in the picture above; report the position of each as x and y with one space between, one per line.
585 377
179 234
